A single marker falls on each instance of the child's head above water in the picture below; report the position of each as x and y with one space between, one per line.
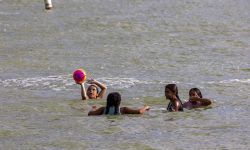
170 90
195 92
113 101
92 91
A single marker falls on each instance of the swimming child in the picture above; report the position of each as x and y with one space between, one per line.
171 93
93 91
113 107
196 100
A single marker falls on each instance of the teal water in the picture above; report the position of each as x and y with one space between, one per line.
135 47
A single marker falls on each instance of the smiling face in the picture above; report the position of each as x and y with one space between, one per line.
193 94
92 92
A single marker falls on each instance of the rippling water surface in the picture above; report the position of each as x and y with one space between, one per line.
135 47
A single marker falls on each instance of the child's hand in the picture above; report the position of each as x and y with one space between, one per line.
79 83
91 81
147 108
143 109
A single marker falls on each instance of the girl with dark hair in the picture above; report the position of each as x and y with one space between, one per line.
113 107
113 104
196 100
171 93
93 91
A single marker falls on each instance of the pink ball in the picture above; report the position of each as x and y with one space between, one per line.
79 76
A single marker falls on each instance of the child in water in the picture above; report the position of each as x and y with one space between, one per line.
93 91
196 100
171 93
113 107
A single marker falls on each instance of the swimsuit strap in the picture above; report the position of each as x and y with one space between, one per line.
170 106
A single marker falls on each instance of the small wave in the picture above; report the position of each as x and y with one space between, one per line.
65 82
6 13
230 81
52 82
121 82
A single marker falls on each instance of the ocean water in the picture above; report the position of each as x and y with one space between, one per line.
135 47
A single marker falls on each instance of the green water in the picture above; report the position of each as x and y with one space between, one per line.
135 47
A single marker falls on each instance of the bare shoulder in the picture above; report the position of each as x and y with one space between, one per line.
98 111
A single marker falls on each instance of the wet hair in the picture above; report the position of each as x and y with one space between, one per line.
195 90
113 100
173 88
97 90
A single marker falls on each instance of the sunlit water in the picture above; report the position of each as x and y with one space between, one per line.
135 47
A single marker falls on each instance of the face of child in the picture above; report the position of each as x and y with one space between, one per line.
193 94
168 93
92 92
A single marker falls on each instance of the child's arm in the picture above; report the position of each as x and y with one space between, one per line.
203 101
95 112
127 110
83 91
100 85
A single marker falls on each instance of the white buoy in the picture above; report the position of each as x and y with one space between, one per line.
48 4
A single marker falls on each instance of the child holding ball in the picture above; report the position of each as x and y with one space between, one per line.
92 92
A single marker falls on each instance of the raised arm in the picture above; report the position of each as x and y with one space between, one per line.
102 86
127 110
83 91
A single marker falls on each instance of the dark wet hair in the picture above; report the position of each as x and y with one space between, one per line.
195 90
113 99
173 88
